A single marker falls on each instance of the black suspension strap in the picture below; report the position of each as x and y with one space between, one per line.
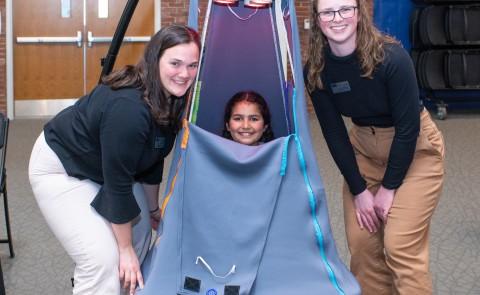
108 61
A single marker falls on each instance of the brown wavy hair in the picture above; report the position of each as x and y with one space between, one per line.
145 75
370 47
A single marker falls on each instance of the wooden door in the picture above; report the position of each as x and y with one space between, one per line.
141 26
47 70
69 70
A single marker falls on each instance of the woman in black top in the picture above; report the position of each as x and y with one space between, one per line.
96 168
392 158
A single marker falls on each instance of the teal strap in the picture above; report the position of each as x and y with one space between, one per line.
313 209
311 196
283 167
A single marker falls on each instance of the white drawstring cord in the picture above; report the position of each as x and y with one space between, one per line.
242 18
232 270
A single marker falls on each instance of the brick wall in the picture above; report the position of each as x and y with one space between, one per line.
3 61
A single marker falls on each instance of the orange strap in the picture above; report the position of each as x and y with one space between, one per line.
186 133
170 191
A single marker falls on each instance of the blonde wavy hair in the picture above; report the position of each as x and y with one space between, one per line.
369 48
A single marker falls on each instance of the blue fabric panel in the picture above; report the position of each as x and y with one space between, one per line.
226 216
393 17
291 255
240 55
220 216
193 14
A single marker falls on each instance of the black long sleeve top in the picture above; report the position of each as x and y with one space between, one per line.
389 99
110 137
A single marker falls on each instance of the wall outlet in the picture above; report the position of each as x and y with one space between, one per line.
306 24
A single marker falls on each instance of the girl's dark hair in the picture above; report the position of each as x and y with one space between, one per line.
252 97
145 75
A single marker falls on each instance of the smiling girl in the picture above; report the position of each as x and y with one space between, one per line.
247 119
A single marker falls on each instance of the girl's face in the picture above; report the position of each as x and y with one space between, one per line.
178 68
338 21
246 124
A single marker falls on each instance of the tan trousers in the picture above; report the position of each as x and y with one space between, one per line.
395 260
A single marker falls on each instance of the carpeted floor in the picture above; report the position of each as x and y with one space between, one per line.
42 267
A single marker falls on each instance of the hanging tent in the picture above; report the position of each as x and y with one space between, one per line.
243 219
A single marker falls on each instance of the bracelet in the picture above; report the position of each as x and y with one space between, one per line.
154 210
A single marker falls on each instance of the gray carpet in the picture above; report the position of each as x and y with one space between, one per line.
42 267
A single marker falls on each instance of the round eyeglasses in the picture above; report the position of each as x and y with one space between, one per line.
344 12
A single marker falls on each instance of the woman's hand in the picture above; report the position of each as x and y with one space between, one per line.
128 266
364 209
129 270
151 191
383 202
155 217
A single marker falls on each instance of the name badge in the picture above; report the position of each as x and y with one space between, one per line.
159 142
340 87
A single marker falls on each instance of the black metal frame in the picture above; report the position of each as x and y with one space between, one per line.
4 122
109 60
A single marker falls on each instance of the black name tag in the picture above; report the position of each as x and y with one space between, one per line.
340 87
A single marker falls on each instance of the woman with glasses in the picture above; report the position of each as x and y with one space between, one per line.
392 159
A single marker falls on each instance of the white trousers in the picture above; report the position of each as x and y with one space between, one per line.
86 236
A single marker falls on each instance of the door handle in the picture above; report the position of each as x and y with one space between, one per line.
77 39
128 39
